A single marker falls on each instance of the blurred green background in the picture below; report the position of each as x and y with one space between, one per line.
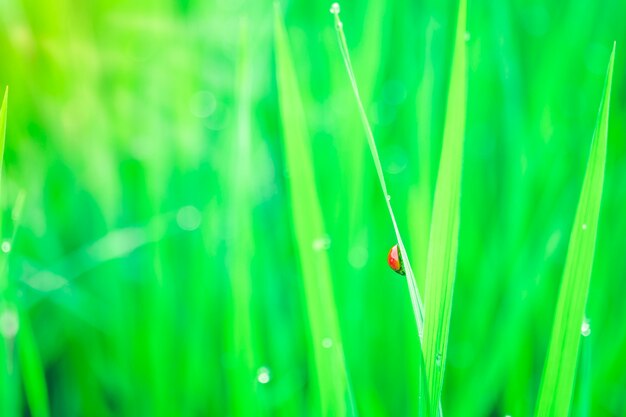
154 269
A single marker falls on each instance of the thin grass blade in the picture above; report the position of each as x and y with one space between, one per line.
559 373
416 300
444 229
310 236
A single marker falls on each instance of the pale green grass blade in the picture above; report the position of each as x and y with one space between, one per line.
559 374
310 236
241 245
3 122
420 200
3 131
444 230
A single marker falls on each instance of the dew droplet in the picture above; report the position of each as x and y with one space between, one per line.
584 226
327 343
6 246
188 218
388 197
585 329
553 243
9 322
467 36
263 375
321 243
334 8
438 359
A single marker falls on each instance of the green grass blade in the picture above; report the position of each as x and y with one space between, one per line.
309 228
444 230
241 245
416 300
32 369
559 372
3 131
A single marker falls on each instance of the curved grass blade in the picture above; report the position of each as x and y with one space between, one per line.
416 300
444 229
310 234
559 373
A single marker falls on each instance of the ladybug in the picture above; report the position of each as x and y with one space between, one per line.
394 259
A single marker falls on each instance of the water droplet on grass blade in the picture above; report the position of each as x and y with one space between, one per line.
585 329
6 246
263 375
438 359
327 343
322 243
188 218
334 8
584 226
9 322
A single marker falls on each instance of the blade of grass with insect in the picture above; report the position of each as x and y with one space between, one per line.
414 292
559 374
416 301
444 229
308 224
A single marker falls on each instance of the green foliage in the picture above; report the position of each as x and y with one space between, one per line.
559 374
204 232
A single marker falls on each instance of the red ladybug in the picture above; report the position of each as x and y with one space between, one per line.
394 259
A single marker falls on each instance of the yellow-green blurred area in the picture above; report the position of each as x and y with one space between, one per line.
154 268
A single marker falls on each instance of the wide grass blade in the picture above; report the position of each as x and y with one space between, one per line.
444 229
559 371
310 235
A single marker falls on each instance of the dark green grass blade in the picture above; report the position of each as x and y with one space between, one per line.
32 369
309 228
444 230
559 372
